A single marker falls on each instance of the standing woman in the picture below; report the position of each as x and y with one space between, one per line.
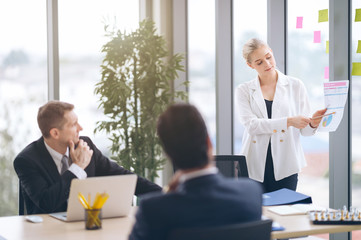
274 110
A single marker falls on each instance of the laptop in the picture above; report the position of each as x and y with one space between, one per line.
120 189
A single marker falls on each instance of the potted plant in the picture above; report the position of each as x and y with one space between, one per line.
135 88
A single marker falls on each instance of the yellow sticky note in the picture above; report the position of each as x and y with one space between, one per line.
358 15
323 15
356 69
359 47
327 47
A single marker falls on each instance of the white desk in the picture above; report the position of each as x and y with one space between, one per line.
17 227
300 225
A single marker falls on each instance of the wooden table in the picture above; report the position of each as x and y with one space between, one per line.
300 225
16 227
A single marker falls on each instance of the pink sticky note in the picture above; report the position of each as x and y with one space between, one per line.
317 36
326 72
299 22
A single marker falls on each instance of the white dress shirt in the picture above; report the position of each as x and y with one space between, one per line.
290 99
74 168
195 174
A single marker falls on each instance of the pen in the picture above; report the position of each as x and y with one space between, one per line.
322 116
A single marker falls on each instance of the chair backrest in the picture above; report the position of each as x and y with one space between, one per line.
22 207
232 165
257 230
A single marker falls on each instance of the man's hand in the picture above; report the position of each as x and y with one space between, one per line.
82 155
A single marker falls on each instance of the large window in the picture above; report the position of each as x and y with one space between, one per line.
201 61
81 37
356 114
249 21
23 72
307 60
23 87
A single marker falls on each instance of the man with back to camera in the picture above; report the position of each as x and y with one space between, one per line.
45 175
198 196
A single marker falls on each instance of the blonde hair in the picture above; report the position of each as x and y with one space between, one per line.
250 46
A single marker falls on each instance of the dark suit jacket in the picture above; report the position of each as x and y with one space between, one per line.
46 191
210 200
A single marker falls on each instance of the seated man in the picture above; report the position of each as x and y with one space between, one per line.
198 196
45 170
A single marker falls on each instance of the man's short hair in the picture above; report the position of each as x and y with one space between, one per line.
51 115
183 134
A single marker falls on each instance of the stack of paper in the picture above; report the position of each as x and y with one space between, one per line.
296 209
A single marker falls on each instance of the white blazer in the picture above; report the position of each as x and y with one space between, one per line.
290 99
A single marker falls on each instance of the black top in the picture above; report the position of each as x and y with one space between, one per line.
269 108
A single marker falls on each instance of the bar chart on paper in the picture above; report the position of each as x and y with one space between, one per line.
335 93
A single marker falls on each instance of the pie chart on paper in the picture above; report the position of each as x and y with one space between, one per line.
327 120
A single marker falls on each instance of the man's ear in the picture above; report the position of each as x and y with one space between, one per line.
54 133
210 146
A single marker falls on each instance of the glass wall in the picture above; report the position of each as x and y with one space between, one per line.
201 61
249 21
356 113
307 60
23 87
81 37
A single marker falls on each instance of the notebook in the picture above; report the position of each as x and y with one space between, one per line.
284 196
120 189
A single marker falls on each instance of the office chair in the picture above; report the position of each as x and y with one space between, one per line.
257 230
22 207
232 165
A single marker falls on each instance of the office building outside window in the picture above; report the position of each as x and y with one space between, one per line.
23 87
308 60
81 37
356 113
201 61
245 12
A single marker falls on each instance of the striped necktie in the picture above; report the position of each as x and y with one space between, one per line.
64 164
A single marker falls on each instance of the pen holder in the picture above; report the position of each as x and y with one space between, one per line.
93 219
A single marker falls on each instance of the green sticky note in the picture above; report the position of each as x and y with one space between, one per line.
327 47
359 47
323 15
358 15
356 69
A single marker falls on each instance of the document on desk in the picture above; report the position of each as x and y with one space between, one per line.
295 209
335 93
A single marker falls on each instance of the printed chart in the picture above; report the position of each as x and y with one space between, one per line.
335 99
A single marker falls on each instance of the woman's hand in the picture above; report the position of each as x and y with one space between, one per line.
316 119
299 122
